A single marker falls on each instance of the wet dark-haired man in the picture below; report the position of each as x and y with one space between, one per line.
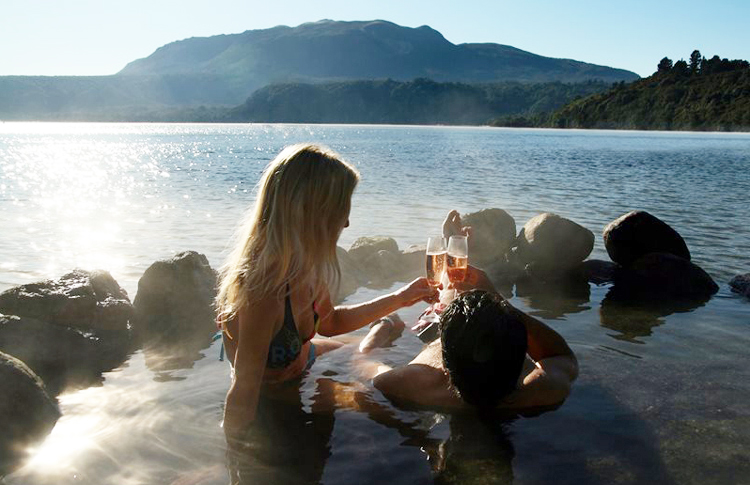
489 355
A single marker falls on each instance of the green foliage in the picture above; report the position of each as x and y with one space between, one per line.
421 101
707 94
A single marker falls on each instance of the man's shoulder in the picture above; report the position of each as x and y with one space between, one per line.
417 384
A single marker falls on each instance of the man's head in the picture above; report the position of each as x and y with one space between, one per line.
484 346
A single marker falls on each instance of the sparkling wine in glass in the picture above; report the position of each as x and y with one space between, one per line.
458 258
435 261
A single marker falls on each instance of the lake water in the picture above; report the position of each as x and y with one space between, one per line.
662 395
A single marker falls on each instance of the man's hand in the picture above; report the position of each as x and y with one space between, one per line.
475 279
452 226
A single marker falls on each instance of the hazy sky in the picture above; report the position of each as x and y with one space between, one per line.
99 37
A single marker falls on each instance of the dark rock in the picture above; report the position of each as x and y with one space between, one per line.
352 276
382 267
638 233
551 243
63 357
364 247
27 412
664 275
504 274
493 233
568 292
174 306
598 271
741 284
89 300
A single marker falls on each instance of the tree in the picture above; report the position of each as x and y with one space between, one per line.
681 67
665 65
695 61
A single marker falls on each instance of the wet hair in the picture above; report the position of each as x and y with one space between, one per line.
289 237
484 346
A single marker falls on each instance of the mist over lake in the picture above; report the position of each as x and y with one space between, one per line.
660 394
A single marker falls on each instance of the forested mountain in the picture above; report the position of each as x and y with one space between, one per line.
702 94
421 101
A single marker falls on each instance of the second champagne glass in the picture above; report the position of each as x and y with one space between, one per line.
435 261
458 258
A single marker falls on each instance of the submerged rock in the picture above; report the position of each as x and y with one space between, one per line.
493 233
551 243
88 300
569 292
637 233
664 275
27 412
174 306
634 312
741 284
598 271
64 357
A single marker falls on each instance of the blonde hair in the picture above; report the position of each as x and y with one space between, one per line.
289 238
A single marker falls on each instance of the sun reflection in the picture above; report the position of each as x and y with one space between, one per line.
71 437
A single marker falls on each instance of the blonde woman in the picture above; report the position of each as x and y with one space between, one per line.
274 292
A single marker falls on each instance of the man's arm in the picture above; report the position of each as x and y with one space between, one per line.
555 368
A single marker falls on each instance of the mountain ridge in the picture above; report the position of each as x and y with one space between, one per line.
329 50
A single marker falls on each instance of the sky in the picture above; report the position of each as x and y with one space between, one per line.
99 37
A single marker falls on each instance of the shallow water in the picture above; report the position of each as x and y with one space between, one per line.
662 394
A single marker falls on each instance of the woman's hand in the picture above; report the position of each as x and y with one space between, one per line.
418 290
452 225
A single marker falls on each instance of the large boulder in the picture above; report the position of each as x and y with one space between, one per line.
382 268
27 412
412 263
741 284
550 243
493 233
351 275
64 357
364 247
88 300
664 275
637 233
174 306
378 259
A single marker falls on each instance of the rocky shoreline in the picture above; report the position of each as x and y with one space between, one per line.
63 334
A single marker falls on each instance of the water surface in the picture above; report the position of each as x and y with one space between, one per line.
662 395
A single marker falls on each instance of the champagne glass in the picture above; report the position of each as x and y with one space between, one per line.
435 261
458 258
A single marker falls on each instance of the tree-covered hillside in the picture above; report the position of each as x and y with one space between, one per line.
702 94
421 101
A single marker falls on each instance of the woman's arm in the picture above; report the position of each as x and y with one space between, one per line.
347 318
256 326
